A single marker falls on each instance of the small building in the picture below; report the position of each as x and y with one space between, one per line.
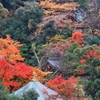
52 64
40 89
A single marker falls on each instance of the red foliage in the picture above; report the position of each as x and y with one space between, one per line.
92 53
56 81
15 76
89 54
62 86
78 37
99 46
82 61
72 80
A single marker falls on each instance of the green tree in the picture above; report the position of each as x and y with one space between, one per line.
3 15
3 92
11 3
91 39
22 27
85 62
24 22
81 2
30 95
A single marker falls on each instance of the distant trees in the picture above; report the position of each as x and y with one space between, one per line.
51 7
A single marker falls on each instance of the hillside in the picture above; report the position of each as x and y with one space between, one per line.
55 41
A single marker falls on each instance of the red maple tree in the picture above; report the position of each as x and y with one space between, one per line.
64 87
16 75
77 37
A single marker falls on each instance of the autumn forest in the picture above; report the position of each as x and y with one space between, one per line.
54 42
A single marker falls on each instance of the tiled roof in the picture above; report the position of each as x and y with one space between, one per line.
38 87
55 62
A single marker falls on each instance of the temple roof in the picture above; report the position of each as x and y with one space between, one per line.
38 87
55 62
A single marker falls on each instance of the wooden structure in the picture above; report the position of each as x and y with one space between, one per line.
52 64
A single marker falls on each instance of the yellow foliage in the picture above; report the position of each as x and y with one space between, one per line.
3 11
39 74
53 8
56 39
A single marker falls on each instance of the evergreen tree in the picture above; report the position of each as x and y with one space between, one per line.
85 61
3 92
22 27
30 95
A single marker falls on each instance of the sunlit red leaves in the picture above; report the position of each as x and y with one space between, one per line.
77 37
5 67
56 81
16 75
62 86
9 49
82 61
72 80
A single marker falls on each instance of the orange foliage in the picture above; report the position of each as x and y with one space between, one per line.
9 49
92 53
16 75
62 86
78 37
